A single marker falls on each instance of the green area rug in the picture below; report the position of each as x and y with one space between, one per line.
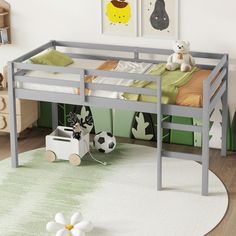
120 199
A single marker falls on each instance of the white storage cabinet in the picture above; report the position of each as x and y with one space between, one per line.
61 145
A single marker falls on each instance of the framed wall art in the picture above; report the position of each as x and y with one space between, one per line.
159 18
119 17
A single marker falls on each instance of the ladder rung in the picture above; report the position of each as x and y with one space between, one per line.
181 155
193 128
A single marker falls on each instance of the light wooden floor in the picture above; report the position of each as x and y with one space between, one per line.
225 168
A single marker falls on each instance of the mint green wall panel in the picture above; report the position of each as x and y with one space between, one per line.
45 115
102 119
182 137
229 137
166 132
122 123
233 133
62 114
197 136
154 121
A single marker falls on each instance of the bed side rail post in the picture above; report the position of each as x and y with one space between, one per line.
159 135
205 137
208 103
54 106
13 124
225 111
53 44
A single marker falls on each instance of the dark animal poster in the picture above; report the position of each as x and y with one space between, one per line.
159 18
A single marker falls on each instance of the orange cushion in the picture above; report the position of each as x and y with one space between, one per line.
191 94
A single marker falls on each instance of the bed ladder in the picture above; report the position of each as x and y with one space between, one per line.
209 102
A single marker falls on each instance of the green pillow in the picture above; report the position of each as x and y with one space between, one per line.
52 58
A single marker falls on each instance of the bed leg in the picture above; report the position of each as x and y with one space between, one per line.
13 124
224 124
54 115
205 157
159 139
159 167
205 139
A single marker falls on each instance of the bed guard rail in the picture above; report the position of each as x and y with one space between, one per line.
135 50
216 84
83 85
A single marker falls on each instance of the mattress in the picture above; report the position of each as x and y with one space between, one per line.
179 88
121 66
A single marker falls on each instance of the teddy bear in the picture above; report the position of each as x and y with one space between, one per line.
180 59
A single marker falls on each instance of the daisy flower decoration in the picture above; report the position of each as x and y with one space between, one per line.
75 227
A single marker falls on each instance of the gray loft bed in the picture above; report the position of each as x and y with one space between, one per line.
214 91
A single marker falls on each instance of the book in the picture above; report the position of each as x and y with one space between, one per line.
1 79
3 36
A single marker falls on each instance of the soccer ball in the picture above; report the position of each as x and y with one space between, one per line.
104 142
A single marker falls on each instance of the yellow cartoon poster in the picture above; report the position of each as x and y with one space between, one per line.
119 17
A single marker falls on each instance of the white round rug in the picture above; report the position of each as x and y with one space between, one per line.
120 199
127 203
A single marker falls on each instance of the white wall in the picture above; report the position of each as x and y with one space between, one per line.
208 25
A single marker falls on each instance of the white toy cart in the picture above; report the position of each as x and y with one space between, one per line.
60 145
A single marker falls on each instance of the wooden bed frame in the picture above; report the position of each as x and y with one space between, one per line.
213 91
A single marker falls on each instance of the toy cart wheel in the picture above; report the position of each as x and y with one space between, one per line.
50 156
75 159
